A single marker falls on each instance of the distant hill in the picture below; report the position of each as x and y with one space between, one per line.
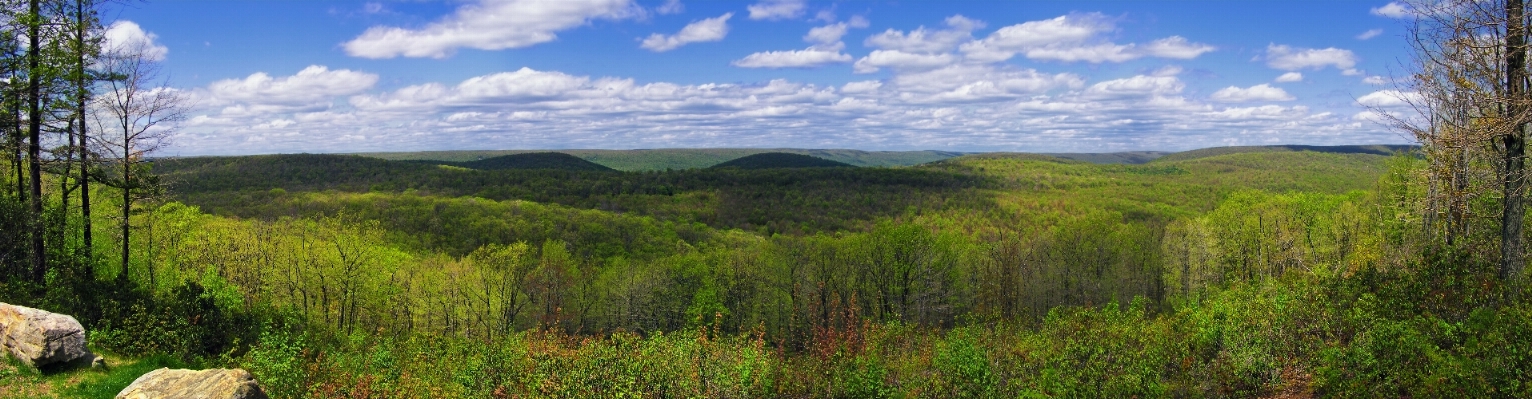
771 160
1377 149
1126 157
534 160
682 158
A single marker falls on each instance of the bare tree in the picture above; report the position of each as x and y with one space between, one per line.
1470 93
135 115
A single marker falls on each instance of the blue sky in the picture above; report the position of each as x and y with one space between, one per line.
1054 76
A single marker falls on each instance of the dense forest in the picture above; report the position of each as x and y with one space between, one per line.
1289 271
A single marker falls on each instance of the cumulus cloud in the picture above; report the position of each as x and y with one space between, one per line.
900 60
792 59
862 87
1375 80
707 30
1073 38
1289 58
1136 86
1176 47
314 84
127 37
1290 77
921 40
1260 92
1370 33
1393 9
960 106
1006 42
825 49
776 9
488 25
1389 99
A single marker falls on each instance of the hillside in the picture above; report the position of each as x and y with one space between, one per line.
772 160
1378 149
683 158
534 160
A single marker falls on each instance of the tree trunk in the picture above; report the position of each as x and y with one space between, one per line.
82 84
34 133
127 207
1511 257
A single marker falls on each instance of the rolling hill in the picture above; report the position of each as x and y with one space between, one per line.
774 160
1376 149
534 160
681 158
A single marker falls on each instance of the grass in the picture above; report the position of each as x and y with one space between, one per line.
19 381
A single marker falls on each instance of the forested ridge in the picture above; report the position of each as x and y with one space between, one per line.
1224 272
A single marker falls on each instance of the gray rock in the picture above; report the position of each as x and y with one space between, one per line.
193 384
41 338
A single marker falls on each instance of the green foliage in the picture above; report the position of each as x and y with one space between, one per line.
188 322
686 158
531 160
277 361
769 160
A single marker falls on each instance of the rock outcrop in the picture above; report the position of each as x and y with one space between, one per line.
41 338
192 384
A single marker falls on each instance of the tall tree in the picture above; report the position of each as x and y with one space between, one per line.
85 48
1512 256
1471 92
34 25
137 115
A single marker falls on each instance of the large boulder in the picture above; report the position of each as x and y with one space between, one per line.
41 338
192 384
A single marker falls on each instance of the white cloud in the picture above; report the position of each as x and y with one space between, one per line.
776 9
862 87
1375 80
314 84
827 38
1393 9
1105 52
960 106
922 40
971 82
128 37
1288 58
792 59
1136 86
1370 33
1290 77
1073 38
1176 47
488 25
1260 92
900 60
825 50
1389 99
1006 42
671 7
706 30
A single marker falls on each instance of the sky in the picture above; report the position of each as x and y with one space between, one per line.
293 76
